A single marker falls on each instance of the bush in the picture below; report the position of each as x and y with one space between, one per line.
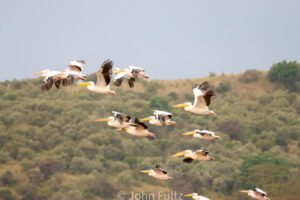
6 194
286 73
223 87
250 76
159 103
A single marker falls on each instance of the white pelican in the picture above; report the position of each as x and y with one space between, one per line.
131 74
158 173
138 128
103 79
189 155
118 120
195 196
202 98
203 134
160 118
256 193
64 78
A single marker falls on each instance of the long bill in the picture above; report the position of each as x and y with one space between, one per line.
145 171
189 133
85 84
182 105
102 120
179 154
189 195
146 119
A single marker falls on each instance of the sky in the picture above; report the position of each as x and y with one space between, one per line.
171 39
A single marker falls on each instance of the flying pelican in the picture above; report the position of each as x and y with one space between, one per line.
203 134
189 155
158 173
138 128
103 79
131 74
202 98
160 118
256 193
195 196
118 120
64 78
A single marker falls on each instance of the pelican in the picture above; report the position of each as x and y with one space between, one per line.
256 193
131 74
103 79
138 128
64 78
118 120
203 134
195 196
160 118
202 98
158 173
189 155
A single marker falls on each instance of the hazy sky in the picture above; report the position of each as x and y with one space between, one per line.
170 38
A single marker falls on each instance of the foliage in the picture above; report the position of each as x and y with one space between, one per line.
286 73
250 75
51 148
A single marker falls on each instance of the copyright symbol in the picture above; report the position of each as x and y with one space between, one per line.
121 195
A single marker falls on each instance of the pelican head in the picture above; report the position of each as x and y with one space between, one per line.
182 153
147 119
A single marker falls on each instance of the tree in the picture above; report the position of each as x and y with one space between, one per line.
286 73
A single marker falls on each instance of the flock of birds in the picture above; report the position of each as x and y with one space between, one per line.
106 75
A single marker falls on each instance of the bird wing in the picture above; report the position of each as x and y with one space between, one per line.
121 116
104 74
201 152
159 170
198 98
119 79
260 192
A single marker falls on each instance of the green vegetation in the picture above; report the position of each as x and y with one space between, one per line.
52 149
287 74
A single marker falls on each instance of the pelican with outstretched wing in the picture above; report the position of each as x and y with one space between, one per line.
256 193
118 120
104 76
202 134
131 74
196 196
189 155
140 129
160 118
202 100
158 173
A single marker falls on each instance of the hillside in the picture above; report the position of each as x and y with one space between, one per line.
52 149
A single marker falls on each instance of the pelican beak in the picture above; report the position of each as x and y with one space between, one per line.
179 154
244 191
85 84
145 171
188 195
146 119
182 105
189 133
102 120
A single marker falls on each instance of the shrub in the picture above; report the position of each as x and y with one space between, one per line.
286 73
6 194
250 76
223 87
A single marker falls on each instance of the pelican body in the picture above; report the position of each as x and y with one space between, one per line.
195 196
256 193
189 155
160 118
118 120
131 74
138 128
158 173
202 134
103 79
202 99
